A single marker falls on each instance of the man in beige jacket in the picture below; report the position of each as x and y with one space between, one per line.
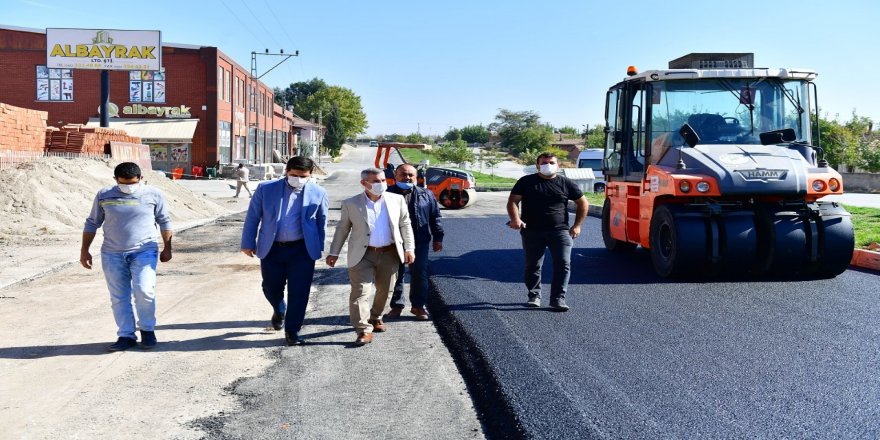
378 224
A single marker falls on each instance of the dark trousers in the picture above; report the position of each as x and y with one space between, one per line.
534 243
291 266
418 282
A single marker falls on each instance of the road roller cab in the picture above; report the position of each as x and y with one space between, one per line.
711 165
453 189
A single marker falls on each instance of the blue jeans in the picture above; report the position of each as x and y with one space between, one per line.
291 266
127 273
418 280
534 243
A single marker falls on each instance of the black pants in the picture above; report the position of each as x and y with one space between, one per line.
534 244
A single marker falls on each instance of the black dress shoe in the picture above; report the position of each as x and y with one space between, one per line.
122 344
277 321
293 339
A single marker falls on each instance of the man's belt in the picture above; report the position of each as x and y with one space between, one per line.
381 249
290 243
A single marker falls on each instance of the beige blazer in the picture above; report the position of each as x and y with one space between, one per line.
353 222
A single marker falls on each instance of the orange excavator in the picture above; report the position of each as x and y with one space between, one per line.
453 189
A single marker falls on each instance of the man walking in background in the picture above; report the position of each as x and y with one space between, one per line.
381 239
544 224
292 217
424 215
129 212
243 174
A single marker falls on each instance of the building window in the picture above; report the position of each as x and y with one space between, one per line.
226 85
219 83
235 92
54 84
146 86
224 142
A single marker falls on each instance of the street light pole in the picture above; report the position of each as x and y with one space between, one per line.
255 78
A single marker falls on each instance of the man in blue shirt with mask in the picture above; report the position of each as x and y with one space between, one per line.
424 214
291 213
128 212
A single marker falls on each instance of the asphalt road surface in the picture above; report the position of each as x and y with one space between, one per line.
641 357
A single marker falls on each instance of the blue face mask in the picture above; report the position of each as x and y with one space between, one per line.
404 185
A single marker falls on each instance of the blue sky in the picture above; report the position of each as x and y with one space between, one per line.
429 65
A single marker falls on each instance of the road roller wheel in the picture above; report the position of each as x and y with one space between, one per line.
783 240
611 243
836 242
678 244
739 242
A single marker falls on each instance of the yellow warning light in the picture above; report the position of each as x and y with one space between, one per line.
632 70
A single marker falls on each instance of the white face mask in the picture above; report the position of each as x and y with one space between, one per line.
547 169
377 189
128 188
296 181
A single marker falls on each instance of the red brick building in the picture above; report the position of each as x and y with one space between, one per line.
201 109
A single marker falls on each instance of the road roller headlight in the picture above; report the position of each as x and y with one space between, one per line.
834 185
703 187
818 186
684 186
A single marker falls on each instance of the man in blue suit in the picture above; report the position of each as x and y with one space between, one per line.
292 216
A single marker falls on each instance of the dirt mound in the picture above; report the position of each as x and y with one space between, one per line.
54 196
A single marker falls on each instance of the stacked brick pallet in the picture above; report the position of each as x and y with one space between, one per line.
82 139
22 129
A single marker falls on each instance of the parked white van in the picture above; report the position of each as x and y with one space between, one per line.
592 158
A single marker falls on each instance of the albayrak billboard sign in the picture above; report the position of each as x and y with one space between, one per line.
103 49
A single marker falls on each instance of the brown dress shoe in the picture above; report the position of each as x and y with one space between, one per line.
378 325
393 314
363 339
421 314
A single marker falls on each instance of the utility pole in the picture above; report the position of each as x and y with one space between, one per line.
254 79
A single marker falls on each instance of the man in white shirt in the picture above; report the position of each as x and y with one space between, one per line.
243 174
381 238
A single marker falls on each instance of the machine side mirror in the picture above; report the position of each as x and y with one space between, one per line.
778 136
689 135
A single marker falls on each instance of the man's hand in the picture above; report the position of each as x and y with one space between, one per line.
574 231
85 258
516 223
331 260
438 246
248 252
409 257
165 256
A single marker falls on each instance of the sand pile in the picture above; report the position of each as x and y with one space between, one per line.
54 196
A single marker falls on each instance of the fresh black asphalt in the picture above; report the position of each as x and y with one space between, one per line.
641 357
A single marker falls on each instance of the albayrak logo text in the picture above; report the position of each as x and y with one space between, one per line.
103 53
153 110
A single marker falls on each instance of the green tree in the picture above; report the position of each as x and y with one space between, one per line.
530 156
491 158
452 134
595 137
416 138
456 152
838 143
335 136
568 129
521 131
351 112
297 93
475 134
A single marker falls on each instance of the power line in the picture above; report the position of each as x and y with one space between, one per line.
275 16
244 26
259 22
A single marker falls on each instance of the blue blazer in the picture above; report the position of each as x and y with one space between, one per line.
265 211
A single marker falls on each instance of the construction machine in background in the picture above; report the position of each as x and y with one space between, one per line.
453 189
711 165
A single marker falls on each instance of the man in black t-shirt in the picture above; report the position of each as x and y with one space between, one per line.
543 223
